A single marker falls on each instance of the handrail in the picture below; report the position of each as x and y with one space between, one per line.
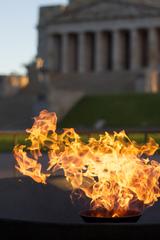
145 131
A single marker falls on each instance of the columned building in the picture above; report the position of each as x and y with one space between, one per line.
102 46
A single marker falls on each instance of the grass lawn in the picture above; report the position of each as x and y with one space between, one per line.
119 111
130 110
8 141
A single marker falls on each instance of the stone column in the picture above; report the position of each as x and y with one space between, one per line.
135 50
50 53
65 52
99 52
81 53
117 51
153 47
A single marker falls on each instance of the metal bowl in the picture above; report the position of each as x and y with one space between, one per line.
93 216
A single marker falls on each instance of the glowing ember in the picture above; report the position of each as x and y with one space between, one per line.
113 171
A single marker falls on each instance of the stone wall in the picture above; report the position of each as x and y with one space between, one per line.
62 100
155 3
16 112
99 83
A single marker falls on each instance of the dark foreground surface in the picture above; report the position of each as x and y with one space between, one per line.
31 211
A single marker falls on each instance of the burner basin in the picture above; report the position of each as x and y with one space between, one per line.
99 216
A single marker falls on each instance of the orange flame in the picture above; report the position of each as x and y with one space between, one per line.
113 171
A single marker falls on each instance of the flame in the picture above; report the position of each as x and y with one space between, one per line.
115 173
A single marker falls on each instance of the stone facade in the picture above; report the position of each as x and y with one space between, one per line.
94 46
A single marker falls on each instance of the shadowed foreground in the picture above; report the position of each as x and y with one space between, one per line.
46 210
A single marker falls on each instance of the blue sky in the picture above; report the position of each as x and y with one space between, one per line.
18 35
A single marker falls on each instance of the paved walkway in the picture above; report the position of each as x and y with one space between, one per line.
7 166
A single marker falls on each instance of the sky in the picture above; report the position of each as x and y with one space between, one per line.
18 34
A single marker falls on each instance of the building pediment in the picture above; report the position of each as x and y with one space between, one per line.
110 9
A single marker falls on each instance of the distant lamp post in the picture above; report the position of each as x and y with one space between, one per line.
42 70
39 63
39 67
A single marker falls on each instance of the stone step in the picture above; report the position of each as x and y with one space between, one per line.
98 83
61 101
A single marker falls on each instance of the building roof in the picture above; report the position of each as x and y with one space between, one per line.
100 10
146 2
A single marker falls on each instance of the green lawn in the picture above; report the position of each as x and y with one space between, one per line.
119 111
130 110
8 141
